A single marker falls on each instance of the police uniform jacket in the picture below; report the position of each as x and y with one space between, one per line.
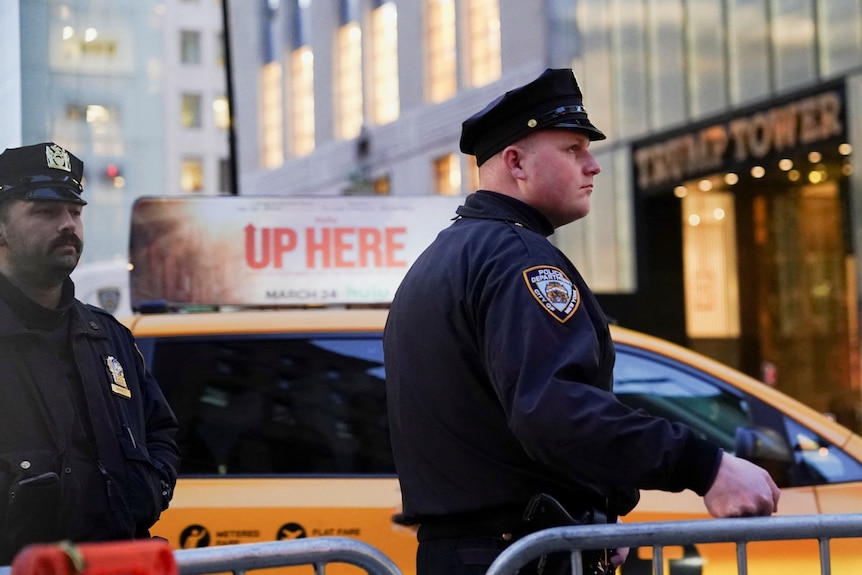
499 372
87 450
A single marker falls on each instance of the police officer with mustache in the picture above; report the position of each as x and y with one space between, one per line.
88 450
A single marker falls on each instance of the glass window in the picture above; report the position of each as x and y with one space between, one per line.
441 49
270 32
302 101
299 23
382 186
709 262
348 81
840 35
666 64
385 63
790 451
290 405
221 113
748 49
793 43
706 57
594 67
447 175
190 116
663 389
484 41
192 175
92 113
190 47
472 173
630 68
219 50
271 116
819 461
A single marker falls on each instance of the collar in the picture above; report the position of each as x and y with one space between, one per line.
30 313
488 205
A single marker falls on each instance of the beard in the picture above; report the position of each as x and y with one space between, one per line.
64 263
49 266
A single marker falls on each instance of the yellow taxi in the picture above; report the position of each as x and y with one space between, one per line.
283 430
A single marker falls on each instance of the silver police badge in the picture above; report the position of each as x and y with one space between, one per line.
58 158
118 377
554 291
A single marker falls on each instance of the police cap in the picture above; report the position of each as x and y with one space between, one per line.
41 172
553 100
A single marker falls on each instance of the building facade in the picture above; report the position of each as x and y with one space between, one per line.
135 88
727 213
724 217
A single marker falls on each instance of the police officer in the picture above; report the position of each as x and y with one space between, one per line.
499 360
87 451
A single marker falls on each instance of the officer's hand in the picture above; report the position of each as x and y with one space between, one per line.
619 555
741 489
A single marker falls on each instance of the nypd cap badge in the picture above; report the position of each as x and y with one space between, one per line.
554 291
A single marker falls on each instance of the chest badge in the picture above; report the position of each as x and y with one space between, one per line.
554 291
118 378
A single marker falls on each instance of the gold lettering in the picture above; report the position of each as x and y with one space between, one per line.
759 135
717 139
679 157
809 126
784 122
737 134
830 110
642 160
755 136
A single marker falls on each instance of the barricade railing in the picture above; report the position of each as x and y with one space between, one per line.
155 558
659 535
316 551
140 557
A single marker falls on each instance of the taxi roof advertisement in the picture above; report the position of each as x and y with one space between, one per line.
278 251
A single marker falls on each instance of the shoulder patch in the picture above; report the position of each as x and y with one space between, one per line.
554 291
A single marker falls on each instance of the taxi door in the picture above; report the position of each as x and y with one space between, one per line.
810 458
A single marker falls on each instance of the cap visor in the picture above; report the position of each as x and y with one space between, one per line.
55 194
592 132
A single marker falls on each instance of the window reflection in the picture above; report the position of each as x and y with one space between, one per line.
277 405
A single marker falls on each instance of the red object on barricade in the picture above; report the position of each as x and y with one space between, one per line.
143 557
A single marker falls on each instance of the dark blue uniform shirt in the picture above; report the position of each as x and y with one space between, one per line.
499 373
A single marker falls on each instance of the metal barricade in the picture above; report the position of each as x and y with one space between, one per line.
316 551
658 535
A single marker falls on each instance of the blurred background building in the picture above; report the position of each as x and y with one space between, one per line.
726 217
135 88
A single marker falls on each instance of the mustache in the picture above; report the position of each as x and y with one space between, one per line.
68 240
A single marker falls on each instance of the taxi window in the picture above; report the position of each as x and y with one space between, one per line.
678 392
820 462
669 390
276 405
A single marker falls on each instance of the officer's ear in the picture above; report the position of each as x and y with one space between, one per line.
512 157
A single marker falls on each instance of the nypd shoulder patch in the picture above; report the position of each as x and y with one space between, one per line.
553 290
